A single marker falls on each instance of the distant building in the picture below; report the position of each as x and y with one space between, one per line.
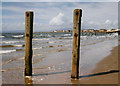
117 29
55 31
96 30
102 30
113 30
91 30
85 30
69 31
62 31
88 30
109 30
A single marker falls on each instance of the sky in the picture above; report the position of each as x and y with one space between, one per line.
49 16
59 0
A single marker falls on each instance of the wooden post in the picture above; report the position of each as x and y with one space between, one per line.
28 81
28 43
76 43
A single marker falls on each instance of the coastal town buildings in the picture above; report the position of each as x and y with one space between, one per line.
91 30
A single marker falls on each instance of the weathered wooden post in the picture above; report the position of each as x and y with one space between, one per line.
28 42
28 81
76 43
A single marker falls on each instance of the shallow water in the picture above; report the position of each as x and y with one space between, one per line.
52 53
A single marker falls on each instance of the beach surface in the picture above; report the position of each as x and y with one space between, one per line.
41 76
110 63
52 59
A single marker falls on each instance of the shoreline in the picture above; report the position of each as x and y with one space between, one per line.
109 63
64 76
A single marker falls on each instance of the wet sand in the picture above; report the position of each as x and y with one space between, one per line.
44 76
103 68
103 71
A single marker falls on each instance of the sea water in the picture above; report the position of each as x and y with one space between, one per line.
52 52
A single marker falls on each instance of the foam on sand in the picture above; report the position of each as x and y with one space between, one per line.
2 36
6 51
18 36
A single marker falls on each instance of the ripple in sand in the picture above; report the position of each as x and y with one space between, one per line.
38 60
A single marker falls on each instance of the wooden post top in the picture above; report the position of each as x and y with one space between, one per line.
28 13
77 11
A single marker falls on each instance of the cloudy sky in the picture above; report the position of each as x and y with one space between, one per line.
49 16
59 0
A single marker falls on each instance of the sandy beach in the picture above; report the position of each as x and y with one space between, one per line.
52 58
42 41
109 63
